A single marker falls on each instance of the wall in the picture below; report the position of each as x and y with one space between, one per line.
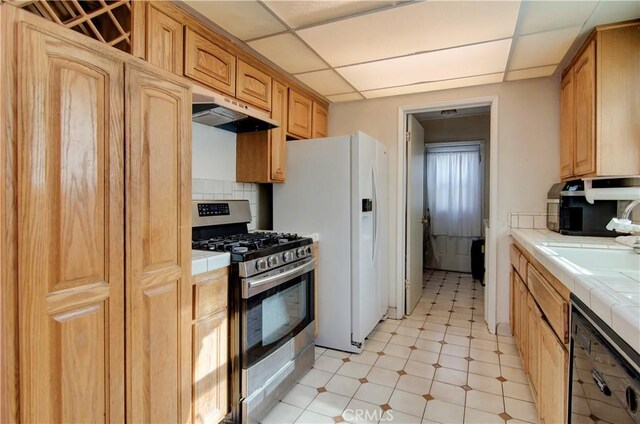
214 170
528 152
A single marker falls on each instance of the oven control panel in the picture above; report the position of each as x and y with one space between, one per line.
213 209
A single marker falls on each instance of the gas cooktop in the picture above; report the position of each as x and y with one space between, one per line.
247 246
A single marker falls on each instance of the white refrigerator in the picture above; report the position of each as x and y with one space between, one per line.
337 187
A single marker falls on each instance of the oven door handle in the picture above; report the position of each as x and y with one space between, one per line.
254 286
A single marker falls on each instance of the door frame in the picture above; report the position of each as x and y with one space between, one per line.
492 233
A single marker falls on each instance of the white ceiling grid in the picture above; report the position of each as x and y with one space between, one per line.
349 50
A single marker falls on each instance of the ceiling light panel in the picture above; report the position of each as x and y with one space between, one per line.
435 86
413 28
243 19
289 53
325 82
543 71
298 14
345 97
479 59
543 48
540 16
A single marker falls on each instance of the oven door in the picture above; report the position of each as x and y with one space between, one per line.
276 306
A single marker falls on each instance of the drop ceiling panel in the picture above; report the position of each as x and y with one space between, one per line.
298 14
434 86
288 52
541 16
614 11
479 59
544 48
408 29
243 19
543 71
325 82
345 97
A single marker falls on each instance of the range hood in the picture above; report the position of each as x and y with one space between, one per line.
216 110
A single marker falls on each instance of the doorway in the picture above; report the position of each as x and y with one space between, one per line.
412 226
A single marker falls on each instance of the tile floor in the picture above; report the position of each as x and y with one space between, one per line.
438 365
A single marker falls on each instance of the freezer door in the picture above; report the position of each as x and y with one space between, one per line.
365 312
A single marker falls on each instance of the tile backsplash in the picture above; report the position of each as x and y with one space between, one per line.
530 220
203 189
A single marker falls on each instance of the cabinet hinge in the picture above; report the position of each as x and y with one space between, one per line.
407 284
407 137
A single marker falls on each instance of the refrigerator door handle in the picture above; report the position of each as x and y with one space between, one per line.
374 248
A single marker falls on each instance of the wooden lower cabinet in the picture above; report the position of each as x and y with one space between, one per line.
210 347
554 377
544 354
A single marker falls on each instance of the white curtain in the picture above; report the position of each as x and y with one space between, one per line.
454 193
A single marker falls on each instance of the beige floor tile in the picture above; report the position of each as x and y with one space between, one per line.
397 350
391 362
437 319
484 356
374 345
473 416
432 335
419 369
319 350
374 393
450 376
282 413
403 340
300 395
453 362
508 349
514 374
506 340
457 340
315 378
438 328
459 331
387 326
408 331
354 370
412 384
342 385
379 336
485 384
520 409
448 393
383 376
443 412
327 363
511 361
413 321
309 417
424 356
486 402
329 404
460 351
430 345
484 344
462 323
517 391
364 357
397 417
409 403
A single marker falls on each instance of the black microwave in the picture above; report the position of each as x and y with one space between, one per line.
577 217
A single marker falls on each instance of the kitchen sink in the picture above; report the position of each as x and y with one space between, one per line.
606 259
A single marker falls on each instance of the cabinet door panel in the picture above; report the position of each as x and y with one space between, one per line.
158 246
553 377
209 64
278 136
585 89
70 191
320 121
300 115
210 337
534 318
164 41
253 86
567 125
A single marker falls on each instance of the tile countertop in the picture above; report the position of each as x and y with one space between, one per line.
202 261
613 296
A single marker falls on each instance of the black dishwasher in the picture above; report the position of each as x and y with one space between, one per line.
604 372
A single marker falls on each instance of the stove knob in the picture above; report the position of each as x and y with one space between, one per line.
307 250
287 256
273 261
300 252
261 264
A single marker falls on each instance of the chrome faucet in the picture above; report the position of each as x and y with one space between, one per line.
624 225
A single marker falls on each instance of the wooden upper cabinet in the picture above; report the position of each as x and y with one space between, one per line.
70 140
158 261
567 126
320 127
300 114
209 64
253 86
585 95
164 39
278 137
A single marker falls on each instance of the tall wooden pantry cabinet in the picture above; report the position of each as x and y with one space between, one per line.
95 291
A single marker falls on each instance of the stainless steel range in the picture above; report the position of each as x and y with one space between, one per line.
271 289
